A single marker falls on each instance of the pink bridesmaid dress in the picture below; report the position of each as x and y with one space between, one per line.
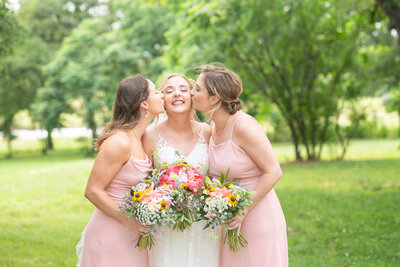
107 242
264 227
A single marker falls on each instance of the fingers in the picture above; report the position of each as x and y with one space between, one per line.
234 224
144 228
144 231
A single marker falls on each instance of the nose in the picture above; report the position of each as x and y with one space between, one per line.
192 92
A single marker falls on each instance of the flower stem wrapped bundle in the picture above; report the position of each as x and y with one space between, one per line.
222 201
148 205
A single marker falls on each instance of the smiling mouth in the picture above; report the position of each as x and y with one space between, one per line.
178 102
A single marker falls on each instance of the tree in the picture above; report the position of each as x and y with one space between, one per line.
50 21
103 50
298 54
45 23
19 78
8 30
392 59
392 10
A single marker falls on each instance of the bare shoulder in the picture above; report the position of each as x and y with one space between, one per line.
116 147
150 134
248 130
149 139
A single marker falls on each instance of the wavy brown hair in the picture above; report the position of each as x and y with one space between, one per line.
132 91
224 83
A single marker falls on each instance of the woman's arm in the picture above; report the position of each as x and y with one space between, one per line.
114 153
250 136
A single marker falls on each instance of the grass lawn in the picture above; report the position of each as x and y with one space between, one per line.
338 213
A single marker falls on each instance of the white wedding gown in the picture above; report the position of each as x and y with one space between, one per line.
194 247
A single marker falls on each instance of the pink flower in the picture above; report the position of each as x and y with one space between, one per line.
222 191
174 169
165 180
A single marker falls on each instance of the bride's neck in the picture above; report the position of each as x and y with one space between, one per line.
179 122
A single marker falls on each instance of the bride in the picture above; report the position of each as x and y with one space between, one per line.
180 133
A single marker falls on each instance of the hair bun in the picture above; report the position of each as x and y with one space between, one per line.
234 106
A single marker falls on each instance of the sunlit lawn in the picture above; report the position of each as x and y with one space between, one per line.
338 213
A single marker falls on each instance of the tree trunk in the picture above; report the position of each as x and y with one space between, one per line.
7 133
392 10
295 140
398 113
92 125
9 148
49 140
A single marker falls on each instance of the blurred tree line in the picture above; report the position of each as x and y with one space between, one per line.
303 63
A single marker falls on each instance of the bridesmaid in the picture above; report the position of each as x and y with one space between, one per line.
238 142
110 237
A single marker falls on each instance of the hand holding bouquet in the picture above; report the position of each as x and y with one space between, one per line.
148 205
222 201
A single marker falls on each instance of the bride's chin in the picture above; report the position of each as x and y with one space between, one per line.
178 111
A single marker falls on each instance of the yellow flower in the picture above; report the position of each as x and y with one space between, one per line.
184 164
183 186
211 188
146 192
163 205
137 195
232 200
205 192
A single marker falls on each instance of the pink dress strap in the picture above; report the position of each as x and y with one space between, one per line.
233 124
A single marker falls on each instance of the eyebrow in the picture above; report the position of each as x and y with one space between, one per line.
171 87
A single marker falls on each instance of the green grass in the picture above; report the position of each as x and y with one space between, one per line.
338 213
342 213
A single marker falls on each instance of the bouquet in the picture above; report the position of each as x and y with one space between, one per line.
222 201
184 184
149 205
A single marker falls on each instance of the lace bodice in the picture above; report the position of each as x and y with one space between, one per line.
198 157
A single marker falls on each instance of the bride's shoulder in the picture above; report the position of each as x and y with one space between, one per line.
150 139
205 129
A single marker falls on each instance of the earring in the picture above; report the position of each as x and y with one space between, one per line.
147 114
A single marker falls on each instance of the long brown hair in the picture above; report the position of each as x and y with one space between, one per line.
126 110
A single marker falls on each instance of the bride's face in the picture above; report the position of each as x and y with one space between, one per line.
177 95
200 97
